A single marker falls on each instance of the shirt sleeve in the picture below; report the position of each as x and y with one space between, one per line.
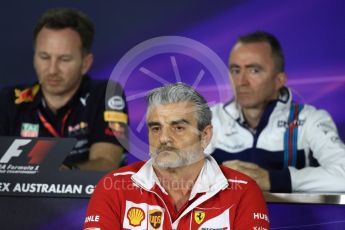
320 136
5 105
103 208
252 210
280 180
111 116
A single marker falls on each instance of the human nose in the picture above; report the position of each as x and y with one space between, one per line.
242 78
165 136
53 66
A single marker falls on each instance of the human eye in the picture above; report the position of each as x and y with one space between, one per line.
43 56
179 128
66 58
154 129
234 71
254 70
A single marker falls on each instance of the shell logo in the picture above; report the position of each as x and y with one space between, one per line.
135 216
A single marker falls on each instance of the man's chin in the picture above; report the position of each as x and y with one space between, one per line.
167 162
166 153
168 165
53 90
246 104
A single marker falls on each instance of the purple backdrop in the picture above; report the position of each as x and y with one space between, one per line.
311 32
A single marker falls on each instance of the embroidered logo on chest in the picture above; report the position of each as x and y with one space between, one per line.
143 216
211 218
29 130
135 216
155 218
78 129
199 216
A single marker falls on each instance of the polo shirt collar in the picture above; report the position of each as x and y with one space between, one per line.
209 179
82 90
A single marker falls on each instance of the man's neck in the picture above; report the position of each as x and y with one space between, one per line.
56 102
253 116
178 182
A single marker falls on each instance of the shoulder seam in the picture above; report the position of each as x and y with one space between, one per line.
124 173
238 181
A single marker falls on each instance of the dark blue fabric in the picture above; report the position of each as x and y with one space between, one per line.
280 180
92 114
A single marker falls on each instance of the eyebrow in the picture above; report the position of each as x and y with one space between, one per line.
181 121
153 123
234 66
253 65
177 122
60 55
256 65
42 52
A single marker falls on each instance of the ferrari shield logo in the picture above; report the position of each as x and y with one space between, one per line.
199 216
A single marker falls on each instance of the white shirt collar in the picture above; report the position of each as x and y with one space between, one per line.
210 178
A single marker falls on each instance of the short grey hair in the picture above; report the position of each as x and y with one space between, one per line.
180 92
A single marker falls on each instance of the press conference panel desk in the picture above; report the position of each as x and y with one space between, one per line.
306 211
309 198
287 211
36 195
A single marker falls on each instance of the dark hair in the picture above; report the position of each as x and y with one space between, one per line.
260 36
61 18
180 92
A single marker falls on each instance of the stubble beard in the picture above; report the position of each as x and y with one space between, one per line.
182 158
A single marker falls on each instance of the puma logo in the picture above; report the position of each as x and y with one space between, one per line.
83 99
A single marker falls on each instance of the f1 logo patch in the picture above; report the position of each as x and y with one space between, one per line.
36 154
14 150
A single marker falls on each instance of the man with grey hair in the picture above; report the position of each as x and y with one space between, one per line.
179 187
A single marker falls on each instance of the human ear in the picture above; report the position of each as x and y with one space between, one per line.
206 136
87 62
280 80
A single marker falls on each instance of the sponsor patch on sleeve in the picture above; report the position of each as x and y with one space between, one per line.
116 102
115 128
112 116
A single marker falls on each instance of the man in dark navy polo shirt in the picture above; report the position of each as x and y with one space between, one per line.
65 102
